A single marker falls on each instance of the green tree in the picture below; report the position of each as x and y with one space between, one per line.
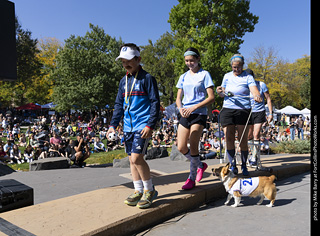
155 61
87 75
214 27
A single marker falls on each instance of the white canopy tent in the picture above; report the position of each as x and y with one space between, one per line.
306 112
289 110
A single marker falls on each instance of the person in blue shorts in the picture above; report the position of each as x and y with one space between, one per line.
258 116
138 103
235 112
196 88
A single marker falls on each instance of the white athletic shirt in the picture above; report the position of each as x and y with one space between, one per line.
194 89
238 85
245 186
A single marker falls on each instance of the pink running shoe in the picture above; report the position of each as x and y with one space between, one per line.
200 172
189 184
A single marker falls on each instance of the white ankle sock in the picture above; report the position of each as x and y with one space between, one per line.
138 185
147 185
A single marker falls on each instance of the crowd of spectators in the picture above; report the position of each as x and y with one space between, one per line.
77 136
71 136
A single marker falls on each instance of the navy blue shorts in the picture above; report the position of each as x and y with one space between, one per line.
134 143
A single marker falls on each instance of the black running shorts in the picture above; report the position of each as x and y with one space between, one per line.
193 119
230 116
258 117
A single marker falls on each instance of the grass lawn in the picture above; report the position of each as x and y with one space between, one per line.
106 157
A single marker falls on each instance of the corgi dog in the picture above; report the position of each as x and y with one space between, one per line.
262 186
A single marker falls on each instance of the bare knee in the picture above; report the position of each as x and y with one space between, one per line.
183 149
136 159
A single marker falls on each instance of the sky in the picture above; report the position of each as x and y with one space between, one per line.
283 24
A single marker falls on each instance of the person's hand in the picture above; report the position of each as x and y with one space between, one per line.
257 98
219 90
270 118
110 130
186 112
146 132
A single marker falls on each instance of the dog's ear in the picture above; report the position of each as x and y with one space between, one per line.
228 164
225 170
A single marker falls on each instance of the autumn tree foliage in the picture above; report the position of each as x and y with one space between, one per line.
288 83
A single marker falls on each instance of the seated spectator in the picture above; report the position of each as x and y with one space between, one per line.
113 145
16 130
98 145
54 128
39 153
69 129
207 145
15 155
33 142
54 151
23 140
205 153
5 123
102 133
264 145
8 147
88 139
3 155
91 135
82 151
155 142
28 153
69 150
284 136
10 136
55 140
215 144
167 141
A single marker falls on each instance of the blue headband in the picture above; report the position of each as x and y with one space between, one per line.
190 53
237 57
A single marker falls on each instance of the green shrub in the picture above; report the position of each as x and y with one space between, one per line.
293 146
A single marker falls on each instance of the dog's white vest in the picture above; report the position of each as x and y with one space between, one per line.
245 186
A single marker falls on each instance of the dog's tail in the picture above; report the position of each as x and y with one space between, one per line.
273 178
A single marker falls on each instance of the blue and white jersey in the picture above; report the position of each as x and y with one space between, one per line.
194 89
245 186
143 105
238 85
262 87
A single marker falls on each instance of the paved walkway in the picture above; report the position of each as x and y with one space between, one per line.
289 216
86 204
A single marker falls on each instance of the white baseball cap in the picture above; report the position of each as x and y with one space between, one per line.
128 53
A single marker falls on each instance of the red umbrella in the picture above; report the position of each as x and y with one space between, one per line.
29 106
